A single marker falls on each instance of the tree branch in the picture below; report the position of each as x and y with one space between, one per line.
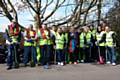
7 14
54 10
16 17
92 4
28 1
44 9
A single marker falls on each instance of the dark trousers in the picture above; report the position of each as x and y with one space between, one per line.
111 54
12 55
60 55
82 53
103 52
51 51
73 56
94 53
87 54
29 53
45 52
65 55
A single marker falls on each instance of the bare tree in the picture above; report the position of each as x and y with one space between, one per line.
77 17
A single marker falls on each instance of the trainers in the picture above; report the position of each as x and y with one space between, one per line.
70 62
25 65
9 68
78 61
82 61
59 63
75 62
108 62
100 62
46 67
62 64
113 64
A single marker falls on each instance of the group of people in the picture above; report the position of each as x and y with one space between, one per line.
60 45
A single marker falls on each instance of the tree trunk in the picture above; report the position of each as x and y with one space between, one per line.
99 11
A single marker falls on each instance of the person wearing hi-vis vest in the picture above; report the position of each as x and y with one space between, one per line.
65 51
100 43
43 35
82 45
12 36
59 40
88 44
30 46
110 45
53 32
93 47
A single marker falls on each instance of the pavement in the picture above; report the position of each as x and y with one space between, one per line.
67 72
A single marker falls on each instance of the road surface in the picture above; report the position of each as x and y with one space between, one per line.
68 72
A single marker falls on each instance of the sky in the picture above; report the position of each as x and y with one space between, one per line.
25 17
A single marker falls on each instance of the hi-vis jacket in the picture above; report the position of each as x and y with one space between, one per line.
30 38
100 37
110 39
13 32
60 40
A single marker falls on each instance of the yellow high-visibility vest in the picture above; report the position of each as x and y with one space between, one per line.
59 41
31 33
43 41
109 39
99 37
81 38
88 38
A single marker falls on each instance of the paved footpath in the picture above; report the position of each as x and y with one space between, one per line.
68 72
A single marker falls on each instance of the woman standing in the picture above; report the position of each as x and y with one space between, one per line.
73 45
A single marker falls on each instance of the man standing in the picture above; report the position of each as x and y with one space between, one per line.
110 45
59 40
82 45
93 47
30 46
65 32
100 42
88 44
12 41
43 35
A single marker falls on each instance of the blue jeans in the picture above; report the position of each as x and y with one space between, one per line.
12 56
111 54
45 52
65 55
60 55
29 51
